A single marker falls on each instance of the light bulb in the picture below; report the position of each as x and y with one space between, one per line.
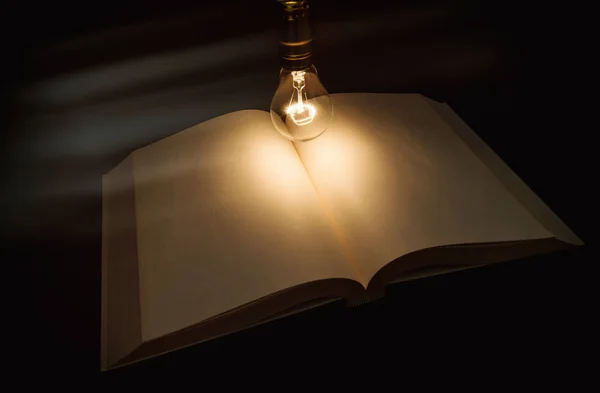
301 109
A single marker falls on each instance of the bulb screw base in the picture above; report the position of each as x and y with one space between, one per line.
295 43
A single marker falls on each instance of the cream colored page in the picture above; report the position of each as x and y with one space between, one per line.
226 214
512 182
397 180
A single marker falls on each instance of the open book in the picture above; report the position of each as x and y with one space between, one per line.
227 225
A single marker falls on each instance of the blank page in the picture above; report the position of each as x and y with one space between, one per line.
397 179
511 181
226 214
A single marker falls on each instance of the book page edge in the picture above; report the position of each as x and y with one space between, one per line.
511 181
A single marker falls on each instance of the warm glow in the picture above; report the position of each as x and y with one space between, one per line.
301 113
301 108
276 177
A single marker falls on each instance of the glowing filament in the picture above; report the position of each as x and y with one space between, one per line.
300 112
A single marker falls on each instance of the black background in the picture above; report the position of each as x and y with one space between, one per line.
85 84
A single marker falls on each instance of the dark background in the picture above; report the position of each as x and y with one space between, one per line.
86 84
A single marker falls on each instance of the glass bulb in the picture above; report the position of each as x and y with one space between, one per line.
301 109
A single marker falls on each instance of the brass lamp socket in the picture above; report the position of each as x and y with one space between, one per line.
295 40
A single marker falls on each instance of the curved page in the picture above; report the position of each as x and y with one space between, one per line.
226 214
397 179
